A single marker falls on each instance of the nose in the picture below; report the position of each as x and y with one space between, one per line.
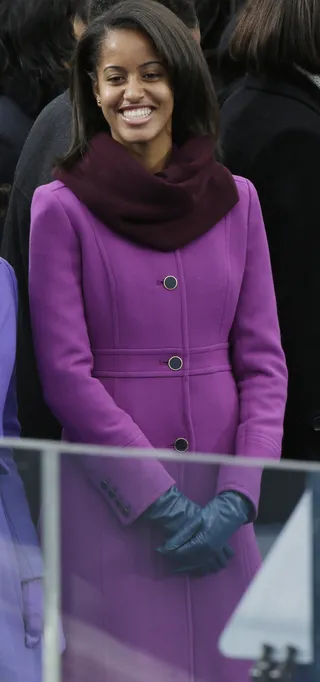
134 90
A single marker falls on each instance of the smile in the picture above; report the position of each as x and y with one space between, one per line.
136 115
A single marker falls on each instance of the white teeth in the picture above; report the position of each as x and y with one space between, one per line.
144 112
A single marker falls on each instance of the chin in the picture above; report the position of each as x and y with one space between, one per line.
138 140
138 136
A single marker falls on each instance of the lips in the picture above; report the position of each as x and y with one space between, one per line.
136 113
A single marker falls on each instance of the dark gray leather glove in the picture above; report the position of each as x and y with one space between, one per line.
172 510
175 514
224 515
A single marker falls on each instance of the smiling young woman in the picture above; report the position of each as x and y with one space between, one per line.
133 88
131 63
154 320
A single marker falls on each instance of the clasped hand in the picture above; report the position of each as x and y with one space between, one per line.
197 538
206 550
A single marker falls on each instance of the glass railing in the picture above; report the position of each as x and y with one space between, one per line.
133 614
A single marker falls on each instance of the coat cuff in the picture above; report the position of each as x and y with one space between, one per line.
246 480
128 486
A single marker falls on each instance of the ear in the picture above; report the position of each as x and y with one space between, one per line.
95 88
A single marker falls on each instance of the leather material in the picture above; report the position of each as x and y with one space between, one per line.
220 519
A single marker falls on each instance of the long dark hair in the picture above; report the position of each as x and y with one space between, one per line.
196 110
276 36
36 44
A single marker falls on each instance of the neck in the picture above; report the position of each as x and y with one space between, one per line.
153 156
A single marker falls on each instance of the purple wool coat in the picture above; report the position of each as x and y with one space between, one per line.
105 327
20 557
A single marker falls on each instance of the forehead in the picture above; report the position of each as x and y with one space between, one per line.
126 47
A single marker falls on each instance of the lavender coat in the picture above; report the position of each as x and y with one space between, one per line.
104 328
20 558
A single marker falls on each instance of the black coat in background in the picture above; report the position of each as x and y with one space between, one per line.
21 101
48 139
14 128
271 135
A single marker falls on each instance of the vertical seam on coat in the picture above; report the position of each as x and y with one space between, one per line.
109 273
187 411
112 282
227 270
246 404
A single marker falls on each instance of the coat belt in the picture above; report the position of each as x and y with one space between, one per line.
156 362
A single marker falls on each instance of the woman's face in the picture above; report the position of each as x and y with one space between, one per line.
133 90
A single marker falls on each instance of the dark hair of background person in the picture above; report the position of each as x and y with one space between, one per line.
36 45
196 110
184 9
274 37
230 71
213 16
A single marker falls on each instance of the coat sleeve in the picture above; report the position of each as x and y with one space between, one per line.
79 401
8 324
258 363
12 492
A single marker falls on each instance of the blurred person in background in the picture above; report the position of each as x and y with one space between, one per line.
155 326
21 567
62 23
230 71
36 44
48 139
271 134
214 17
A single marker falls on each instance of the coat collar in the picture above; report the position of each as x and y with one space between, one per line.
294 85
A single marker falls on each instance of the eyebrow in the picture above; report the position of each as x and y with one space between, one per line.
120 68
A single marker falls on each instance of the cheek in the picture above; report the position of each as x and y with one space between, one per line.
167 99
109 102
106 93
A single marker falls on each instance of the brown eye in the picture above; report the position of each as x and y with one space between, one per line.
115 80
152 76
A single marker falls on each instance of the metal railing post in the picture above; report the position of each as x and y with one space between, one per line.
50 470
314 485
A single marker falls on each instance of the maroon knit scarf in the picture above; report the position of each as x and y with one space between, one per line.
165 211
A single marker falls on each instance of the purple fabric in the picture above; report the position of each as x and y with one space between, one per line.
104 329
32 600
20 558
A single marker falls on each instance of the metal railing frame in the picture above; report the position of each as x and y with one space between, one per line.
314 485
50 480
